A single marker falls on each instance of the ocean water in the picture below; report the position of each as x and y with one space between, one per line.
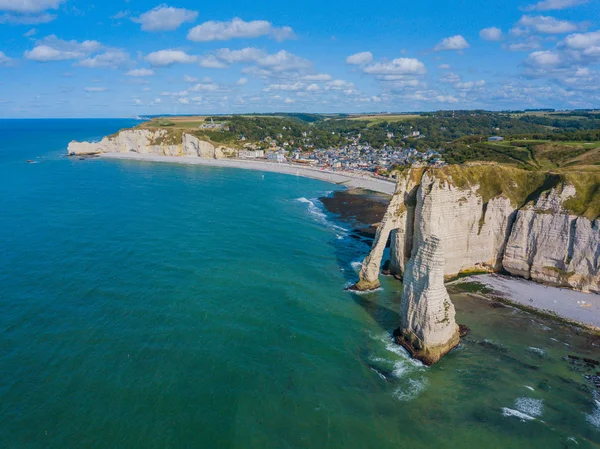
148 305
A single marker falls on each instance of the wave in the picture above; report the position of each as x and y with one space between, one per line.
526 409
414 388
594 417
322 218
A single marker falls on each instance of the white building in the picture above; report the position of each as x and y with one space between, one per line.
251 154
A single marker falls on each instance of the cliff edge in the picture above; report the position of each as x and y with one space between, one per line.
538 225
160 142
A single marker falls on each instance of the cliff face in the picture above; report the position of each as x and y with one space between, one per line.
550 245
493 218
159 142
428 329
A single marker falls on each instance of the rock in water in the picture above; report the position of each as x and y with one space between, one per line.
428 328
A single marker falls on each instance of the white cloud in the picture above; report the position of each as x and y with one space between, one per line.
544 59
398 66
249 54
236 29
52 48
31 32
444 66
452 43
111 59
491 34
446 99
140 72
45 53
242 81
165 58
546 25
212 62
205 87
286 87
583 41
313 88
547 5
289 101
4 60
361 58
532 43
29 6
95 89
27 19
469 85
184 101
190 79
165 18
317 77
182 93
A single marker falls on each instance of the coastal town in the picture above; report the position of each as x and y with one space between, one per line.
352 156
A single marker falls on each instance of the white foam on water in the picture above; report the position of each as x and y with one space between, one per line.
517 414
356 266
530 406
594 417
414 388
321 217
538 351
380 375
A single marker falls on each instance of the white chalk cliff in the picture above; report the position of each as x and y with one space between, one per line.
539 239
428 329
160 142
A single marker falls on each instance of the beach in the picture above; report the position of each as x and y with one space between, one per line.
347 179
583 308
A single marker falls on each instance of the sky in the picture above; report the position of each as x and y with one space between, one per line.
125 58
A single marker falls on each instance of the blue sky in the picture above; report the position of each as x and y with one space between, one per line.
118 58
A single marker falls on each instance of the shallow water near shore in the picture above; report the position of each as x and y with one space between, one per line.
150 305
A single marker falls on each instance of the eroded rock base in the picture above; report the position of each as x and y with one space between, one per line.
429 355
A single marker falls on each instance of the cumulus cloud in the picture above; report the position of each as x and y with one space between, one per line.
165 58
165 18
544 59
398 66
190 79
52 48
445 66
4 60
491 34
583 41
140 72
361 58
111 59
242 81
452 43
317 77
469 85
212 62
547 5
29 6
205 87
237 29
95 89
545 25
249 54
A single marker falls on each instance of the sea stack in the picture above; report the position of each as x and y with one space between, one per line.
428 328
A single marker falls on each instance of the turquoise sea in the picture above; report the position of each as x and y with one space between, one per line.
169 306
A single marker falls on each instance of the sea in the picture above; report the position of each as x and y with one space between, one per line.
148 305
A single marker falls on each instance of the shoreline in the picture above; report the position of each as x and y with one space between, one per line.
346 179
561 304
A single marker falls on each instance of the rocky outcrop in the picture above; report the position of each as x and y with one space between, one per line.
159 142
493 218
428 329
